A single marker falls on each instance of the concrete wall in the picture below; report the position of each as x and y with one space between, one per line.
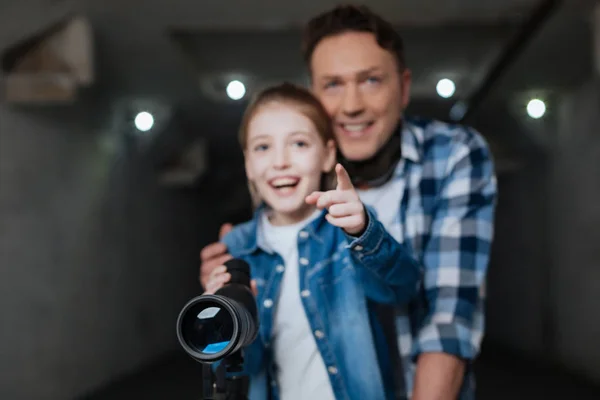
96 260
516 290
576 242
544 278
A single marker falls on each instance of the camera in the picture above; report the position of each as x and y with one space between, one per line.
212 327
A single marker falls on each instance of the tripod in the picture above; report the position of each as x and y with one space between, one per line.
227 382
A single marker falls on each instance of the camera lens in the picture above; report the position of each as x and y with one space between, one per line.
210 327
207 327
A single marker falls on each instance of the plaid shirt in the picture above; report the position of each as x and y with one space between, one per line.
440 205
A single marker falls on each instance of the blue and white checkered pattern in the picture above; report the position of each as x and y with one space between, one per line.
440 205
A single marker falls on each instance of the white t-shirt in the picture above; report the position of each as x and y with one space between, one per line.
386 202
301 372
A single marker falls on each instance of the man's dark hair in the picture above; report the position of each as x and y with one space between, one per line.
351 18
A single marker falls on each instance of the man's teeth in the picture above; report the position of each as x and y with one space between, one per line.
355 127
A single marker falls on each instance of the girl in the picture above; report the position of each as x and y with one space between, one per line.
319 260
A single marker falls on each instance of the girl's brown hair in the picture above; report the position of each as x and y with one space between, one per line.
307 104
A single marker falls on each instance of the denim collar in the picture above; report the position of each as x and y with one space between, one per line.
254 242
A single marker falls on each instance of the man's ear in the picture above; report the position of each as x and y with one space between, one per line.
330 156
405 82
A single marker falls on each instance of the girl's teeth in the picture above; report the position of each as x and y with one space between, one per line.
355 127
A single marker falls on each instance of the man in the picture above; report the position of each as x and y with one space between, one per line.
432 185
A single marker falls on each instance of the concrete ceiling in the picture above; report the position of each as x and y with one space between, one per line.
260 39
185 50
180 53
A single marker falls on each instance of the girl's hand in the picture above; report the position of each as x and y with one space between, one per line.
344 207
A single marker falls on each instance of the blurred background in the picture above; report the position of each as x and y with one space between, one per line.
119 161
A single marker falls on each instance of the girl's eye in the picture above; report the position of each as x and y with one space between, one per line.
261 147
300 143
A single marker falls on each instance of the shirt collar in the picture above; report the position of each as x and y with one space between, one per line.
412 141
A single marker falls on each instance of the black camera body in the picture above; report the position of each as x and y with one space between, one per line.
214 326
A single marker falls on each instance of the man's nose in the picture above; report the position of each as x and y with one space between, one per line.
352 104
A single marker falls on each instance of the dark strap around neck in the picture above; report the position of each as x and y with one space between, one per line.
378 169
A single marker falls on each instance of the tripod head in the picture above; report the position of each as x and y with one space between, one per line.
227 381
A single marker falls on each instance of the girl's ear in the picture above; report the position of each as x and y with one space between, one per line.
254 196
247 166
330 156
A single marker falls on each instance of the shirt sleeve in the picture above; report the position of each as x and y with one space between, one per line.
456 256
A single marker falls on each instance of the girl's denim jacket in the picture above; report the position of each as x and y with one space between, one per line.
342 278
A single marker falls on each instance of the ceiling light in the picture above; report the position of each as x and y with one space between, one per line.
445 88
144 121
236 90
536 108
